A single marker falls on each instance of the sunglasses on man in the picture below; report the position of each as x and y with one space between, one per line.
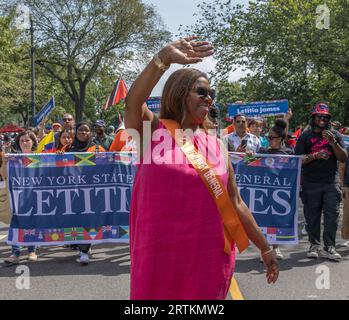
271 137
67 119
320 117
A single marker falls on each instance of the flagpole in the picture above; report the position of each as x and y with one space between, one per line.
32 69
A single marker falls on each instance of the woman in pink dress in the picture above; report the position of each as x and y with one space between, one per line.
177 238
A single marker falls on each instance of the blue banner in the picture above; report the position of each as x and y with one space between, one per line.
70 199
259 109
44 112
269 185
85 197
154 104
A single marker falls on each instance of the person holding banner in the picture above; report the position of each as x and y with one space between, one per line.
277 136
186 216
83 142
65 140
26 142
323 147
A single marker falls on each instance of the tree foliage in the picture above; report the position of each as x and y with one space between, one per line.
287 47
76 37
80 44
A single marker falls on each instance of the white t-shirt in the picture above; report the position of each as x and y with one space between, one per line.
234 141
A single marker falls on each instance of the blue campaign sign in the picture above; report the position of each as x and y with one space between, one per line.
44 112
70 198
259 109
154 104
269 185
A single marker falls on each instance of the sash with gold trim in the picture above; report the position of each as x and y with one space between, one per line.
233 229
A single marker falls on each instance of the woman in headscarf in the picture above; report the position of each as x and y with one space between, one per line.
83 143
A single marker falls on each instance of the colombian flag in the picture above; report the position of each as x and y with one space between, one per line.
47 144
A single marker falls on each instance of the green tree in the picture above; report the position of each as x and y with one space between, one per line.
75 38
13 90
287 46
228 92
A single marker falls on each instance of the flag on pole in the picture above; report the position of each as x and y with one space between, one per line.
46 109
47 143
120 118
119 93
298 133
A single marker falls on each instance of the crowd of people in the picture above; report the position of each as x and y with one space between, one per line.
182 249
69 137
324 170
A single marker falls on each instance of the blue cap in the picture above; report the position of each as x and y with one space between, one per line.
100 123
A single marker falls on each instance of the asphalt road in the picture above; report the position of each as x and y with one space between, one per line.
57 276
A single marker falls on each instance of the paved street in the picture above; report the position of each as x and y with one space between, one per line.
57 276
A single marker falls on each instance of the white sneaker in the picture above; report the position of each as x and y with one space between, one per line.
304 231
32 257
331 254
313 252
278 253
84 259
12 260
344 244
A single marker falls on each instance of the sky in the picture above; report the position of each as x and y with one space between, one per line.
180 12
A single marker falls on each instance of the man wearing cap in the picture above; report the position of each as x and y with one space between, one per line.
101 138
322 148
111 132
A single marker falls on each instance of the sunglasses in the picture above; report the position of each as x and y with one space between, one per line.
271 137
67 119
204 92
240 121
323 117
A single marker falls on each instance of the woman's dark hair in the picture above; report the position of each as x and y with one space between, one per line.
280 128
258 122
176 91
71 134
7 138
31 135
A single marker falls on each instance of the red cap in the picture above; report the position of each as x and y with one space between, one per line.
321 108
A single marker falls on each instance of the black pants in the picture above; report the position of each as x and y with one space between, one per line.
318 198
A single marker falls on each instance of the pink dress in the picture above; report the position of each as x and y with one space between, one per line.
176 231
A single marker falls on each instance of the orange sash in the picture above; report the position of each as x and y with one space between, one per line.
233 229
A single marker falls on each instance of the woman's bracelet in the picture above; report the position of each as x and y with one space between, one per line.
311 157
267 252
158 62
